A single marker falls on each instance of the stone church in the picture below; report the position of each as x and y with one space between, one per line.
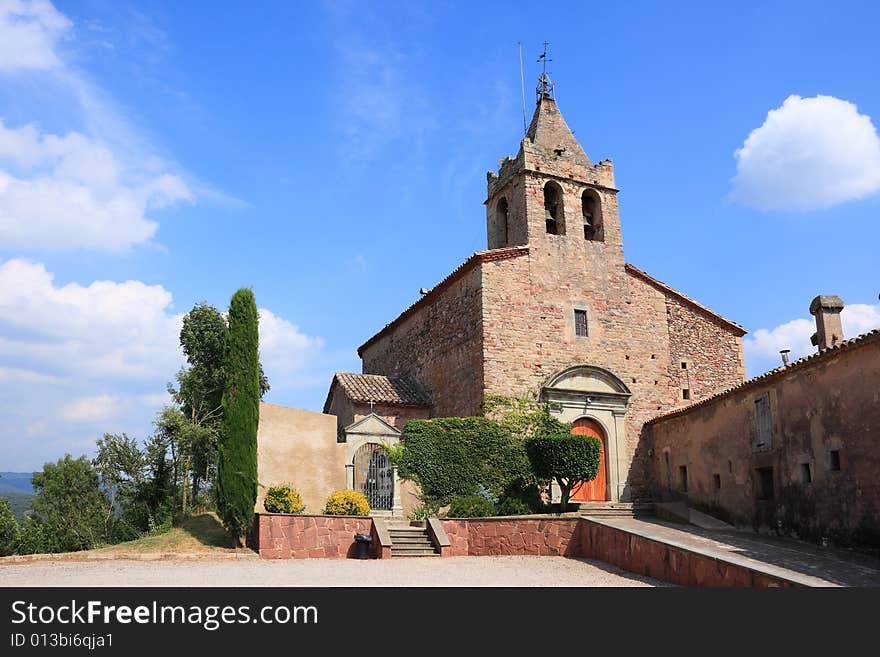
550 310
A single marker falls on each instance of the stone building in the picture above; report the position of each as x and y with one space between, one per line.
793 451
552 311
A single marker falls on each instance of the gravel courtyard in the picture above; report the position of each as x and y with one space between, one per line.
453 571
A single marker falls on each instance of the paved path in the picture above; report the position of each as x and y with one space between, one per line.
452 571
799 561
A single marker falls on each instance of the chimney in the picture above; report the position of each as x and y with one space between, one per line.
826 309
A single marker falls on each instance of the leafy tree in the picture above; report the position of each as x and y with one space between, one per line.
199 396
451 457
237 464
8 529
71 505
34 538
555 453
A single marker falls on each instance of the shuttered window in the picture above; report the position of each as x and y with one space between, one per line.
764 421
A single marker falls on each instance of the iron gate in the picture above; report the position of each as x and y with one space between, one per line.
373 476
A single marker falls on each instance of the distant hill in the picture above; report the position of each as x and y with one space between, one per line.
16 482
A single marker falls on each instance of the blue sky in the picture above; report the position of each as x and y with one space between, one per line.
333 156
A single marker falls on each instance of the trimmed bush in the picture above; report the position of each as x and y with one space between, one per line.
471 506
347 503
451 457
283 499
555 453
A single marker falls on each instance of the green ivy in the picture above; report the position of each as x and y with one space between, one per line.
450 457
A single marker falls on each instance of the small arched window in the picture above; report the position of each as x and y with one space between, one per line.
592 215
501 215
554 214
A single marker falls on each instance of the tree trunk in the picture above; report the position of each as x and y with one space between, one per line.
185 483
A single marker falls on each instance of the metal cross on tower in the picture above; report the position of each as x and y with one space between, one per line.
545 86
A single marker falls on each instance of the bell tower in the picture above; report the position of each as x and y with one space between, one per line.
551 196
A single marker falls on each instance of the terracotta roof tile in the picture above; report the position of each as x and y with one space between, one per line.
365 388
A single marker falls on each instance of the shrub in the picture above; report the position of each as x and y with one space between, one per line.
513 506
347 503
427 509
471 506
555 453
283 499
451 457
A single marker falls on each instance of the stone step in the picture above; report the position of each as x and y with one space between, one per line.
409 552
423 553
409 540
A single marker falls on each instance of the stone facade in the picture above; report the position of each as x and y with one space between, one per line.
816 472
504 322
548 537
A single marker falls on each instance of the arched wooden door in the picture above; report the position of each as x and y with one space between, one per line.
591 491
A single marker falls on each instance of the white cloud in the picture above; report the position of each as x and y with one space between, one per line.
62 192
79 360
94 187
90 409
762 347
809 154
284 349
29 32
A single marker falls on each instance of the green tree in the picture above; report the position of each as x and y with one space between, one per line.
199 395
34 538
8 529
71 505
237 463
556 454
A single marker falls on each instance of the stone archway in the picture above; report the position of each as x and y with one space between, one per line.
367 468
594 393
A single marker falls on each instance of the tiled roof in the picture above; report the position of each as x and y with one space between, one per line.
779 372
364 388
663 286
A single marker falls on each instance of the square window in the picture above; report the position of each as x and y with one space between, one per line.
834 460
684 365
683 478
716 479
806 476
685 393
580 323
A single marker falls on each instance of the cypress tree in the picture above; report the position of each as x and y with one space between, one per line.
237 461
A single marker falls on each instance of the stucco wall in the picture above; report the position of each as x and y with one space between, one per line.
828 402
299 447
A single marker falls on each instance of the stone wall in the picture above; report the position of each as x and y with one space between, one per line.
665 562
299 448
829 402
437 342
280 536
481 537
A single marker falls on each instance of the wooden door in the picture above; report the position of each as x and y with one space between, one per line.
591 491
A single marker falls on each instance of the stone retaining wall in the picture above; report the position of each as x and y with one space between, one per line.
668 563
480 537
281 536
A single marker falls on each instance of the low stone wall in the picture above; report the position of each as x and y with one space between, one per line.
512 535
281 536
668 563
